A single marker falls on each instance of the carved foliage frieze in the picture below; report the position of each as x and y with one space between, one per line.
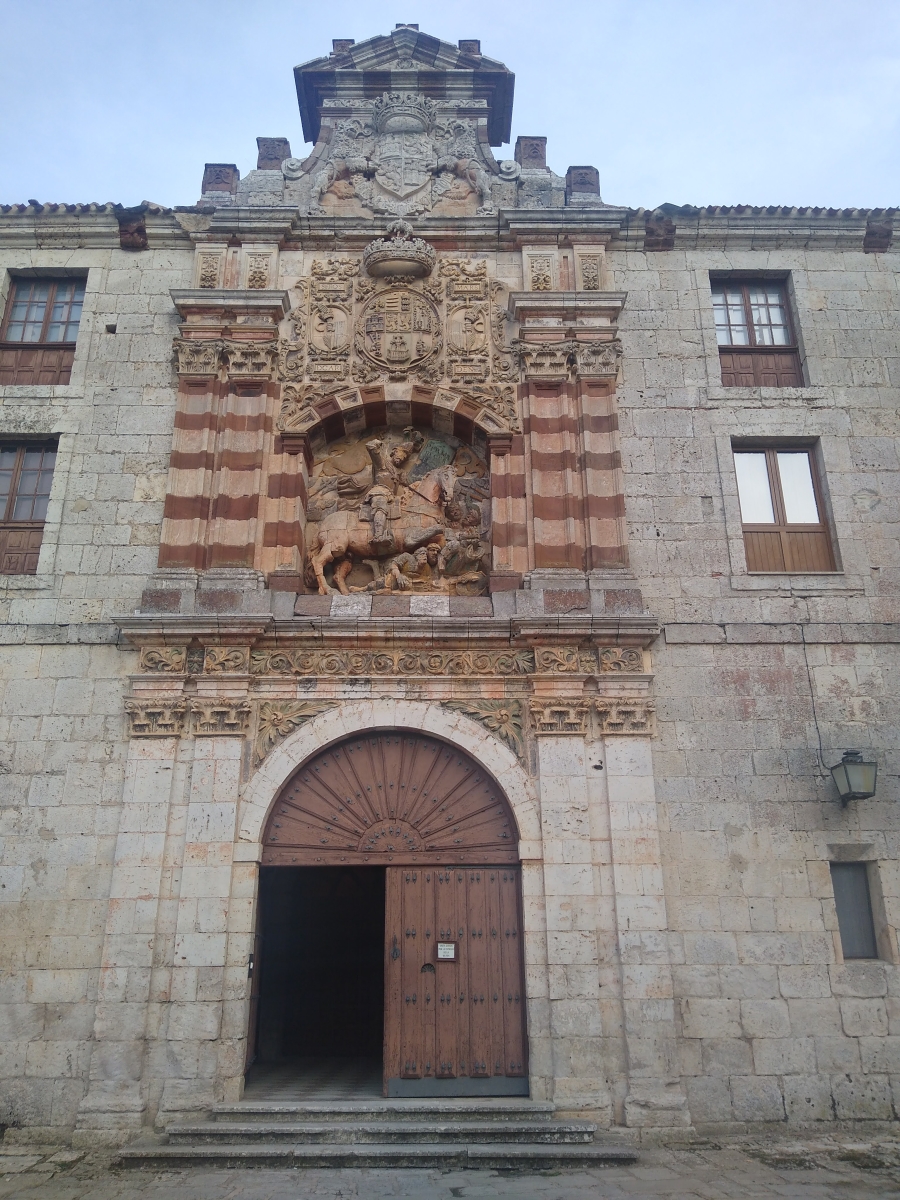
552 660
354 663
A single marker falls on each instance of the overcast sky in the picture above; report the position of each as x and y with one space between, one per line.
686 101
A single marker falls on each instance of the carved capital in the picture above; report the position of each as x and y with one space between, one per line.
195 357
211 718
503 718
156 717
278 718
597 359
557 716
250 360
626 716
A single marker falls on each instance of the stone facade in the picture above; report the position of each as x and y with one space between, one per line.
657 715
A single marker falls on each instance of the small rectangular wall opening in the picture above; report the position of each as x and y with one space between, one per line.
853 901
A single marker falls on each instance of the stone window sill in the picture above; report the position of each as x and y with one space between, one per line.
833 583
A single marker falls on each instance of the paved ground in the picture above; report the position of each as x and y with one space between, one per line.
826 1170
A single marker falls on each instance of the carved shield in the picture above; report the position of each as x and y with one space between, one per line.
405 163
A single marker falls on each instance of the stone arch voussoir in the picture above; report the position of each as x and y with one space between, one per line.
359 716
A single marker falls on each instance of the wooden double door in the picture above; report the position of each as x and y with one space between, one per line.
454 1020
416 807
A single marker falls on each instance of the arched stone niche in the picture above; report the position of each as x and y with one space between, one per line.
394 508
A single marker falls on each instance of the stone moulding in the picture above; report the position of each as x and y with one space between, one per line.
503 718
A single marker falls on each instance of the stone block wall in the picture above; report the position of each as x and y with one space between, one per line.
684 925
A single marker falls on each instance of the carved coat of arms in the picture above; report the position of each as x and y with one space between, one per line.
398 331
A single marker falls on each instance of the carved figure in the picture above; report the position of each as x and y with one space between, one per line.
388 505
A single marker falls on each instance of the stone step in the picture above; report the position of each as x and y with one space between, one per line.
385 1132
384 1110
486 1156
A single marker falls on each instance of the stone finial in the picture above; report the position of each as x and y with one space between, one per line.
401 25
272 153
582 181
342 45
220 177
469 46
531 153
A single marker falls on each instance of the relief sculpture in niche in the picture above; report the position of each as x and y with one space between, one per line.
398 511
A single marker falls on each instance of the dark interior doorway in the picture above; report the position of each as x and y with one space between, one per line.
321 984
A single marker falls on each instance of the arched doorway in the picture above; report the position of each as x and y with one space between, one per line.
390 898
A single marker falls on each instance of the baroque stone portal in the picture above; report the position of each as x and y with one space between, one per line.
398 510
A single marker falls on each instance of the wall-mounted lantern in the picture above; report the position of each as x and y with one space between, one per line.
855 778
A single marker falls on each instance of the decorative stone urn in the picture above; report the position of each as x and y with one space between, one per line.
399 254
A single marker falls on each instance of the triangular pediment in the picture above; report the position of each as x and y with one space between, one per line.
406 60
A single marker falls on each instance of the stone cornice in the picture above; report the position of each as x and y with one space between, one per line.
470 632
272 304
567 307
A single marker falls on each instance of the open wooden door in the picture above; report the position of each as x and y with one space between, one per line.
417 806
454 994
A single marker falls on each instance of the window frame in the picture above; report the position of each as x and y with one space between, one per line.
784 528
757 351
862 869
12 526
45 363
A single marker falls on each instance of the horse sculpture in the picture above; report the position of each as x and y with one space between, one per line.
344 535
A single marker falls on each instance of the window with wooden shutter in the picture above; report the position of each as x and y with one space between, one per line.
781 510
757 343
26 473
37 337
